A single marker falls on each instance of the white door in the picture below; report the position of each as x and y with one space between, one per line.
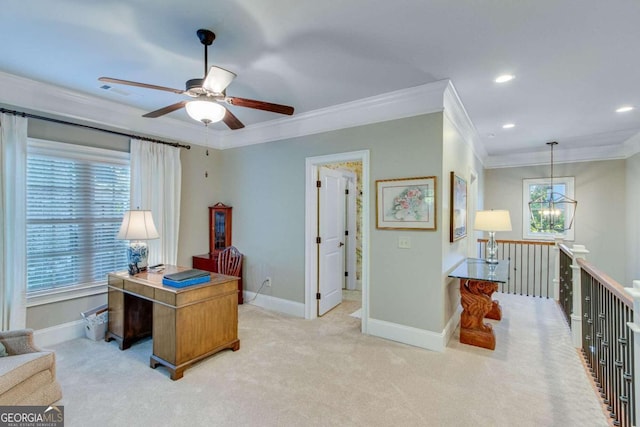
331 227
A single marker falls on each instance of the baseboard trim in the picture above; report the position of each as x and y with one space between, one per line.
452 324
408 335
280 305
392 331
71 330
59 333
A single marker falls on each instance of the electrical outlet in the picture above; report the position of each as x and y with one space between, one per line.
404 242
268 282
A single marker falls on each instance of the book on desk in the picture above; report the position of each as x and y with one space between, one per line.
186 278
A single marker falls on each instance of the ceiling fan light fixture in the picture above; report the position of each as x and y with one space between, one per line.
218 79
207 93
205 111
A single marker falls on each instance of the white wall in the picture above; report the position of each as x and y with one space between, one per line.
600 221
633 219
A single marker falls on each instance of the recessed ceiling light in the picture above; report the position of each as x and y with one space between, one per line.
624 109
504 78
508 126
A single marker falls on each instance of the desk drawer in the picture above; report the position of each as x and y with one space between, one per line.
142 290
115 281
190 296
166 297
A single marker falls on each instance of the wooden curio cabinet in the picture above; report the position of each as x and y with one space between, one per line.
219 227
219 239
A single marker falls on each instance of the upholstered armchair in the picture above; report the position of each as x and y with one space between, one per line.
27 373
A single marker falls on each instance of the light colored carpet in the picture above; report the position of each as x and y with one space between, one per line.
295 372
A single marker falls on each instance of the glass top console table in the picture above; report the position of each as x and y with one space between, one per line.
478 281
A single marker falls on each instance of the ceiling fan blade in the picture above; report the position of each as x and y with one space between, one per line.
232 121
144 85
218 79
166 110
259 105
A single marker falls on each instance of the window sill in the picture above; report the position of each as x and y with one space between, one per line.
64 294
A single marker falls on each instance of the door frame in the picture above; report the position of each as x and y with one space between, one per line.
351 225
312 165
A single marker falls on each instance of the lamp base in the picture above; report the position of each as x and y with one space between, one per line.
137 254
492 249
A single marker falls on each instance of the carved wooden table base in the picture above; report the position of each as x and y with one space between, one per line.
477 304
496 311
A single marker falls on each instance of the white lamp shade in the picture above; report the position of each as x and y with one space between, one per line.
138 225
498 220
217 79
206 111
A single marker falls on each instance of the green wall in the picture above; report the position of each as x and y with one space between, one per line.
459 158
265 184
201 183
600 219
633 224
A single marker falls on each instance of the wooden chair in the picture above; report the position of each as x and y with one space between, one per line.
230 263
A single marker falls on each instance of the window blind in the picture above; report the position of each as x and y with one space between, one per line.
76 198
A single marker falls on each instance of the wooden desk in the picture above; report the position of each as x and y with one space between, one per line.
186 324
478 281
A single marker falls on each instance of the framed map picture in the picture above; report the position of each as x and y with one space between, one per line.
406 203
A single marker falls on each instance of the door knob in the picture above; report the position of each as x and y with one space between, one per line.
341 245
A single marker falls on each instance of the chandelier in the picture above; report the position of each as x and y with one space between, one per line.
551 211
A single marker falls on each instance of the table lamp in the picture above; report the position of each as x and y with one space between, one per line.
137 226
492 221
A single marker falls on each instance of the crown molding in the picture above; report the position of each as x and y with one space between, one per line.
46 99
569 155
632 145
454 110
57 101
398 104
440 96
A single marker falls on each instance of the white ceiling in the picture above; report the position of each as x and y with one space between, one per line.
575 61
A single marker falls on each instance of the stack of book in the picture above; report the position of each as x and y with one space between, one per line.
186 278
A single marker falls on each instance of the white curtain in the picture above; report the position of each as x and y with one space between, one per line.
13 208
156 176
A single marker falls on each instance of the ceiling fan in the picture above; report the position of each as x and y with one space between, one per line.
208 93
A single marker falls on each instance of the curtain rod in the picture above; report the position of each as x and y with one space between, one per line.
113 132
